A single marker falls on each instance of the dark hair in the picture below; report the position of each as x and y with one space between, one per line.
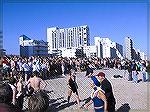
6 93
35 73
38 102
12 80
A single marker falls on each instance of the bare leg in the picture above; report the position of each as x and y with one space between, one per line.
78 100
90 75
26 76
69 94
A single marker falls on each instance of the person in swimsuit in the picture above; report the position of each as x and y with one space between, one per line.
97 97
36 82
72 85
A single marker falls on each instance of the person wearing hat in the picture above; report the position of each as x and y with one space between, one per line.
107 87
97 97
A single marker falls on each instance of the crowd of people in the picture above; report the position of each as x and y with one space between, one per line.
24 77
55 66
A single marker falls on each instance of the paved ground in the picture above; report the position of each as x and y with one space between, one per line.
128 95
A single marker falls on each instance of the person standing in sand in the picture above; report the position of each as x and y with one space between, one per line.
72 87
35 82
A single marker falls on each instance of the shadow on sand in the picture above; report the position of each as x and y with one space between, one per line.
57 106
124 108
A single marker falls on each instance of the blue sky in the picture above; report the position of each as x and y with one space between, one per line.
112 20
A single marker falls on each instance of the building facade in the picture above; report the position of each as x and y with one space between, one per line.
108 49
128 48
70 52
143 56
67 38
1 40
90 51
30 47
119 47
2 51
99 47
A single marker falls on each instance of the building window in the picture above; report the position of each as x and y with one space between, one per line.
55 43
79 29
80 40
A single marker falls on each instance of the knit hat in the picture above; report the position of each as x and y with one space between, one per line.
101 74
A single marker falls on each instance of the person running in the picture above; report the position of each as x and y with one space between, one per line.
72 85
35 82
97 97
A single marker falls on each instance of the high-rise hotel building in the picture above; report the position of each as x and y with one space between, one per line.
128 48
108 49
67 38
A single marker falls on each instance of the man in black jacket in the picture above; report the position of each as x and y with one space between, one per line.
106 86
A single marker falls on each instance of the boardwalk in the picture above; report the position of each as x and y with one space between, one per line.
128 95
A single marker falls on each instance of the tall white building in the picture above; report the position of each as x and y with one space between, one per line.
99 47
108 48
67 38
128 48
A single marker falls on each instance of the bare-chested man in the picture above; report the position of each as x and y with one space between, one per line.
35 82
